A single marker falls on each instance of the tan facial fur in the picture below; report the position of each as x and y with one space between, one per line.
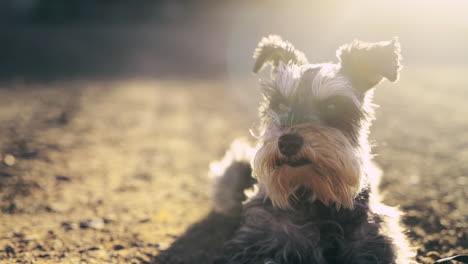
333 173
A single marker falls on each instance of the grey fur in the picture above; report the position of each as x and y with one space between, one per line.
229 189
309 230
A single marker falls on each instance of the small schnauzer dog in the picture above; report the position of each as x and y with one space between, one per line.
315 197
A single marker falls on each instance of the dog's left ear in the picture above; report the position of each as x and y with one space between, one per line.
366 64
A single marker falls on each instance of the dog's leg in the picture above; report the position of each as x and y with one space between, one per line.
373 250
250 243
233 175
380 241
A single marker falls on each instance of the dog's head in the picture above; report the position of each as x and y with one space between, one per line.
315 119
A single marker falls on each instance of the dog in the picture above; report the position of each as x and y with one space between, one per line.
315 197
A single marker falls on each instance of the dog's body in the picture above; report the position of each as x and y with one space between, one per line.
316 200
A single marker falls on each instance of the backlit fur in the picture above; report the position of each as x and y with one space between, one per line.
337 164
319 204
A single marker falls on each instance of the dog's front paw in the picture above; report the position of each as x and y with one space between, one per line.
232 176
229 188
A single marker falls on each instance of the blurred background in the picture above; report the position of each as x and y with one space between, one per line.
117 39
110 112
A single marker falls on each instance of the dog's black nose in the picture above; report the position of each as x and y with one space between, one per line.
290 144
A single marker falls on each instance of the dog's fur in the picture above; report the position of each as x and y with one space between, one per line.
316 200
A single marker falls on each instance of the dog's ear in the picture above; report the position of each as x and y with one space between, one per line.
273 49
366 64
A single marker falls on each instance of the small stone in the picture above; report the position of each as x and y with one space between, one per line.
40 247
419 231
44 256
108 220
135 244
89 249
118 247
69 226
172 236
30 238
93 223
433 254
19 235
11 208
62 178
412 220
9 250
56 244
162 246
94 248
9 160
5 174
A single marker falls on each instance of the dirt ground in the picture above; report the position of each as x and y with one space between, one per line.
115 172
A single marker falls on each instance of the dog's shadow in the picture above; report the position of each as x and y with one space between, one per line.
202 242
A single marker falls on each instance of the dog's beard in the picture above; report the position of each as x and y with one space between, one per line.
327 164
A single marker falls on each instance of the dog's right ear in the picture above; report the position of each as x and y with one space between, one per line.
273 50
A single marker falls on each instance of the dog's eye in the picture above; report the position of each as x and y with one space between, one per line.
337 107
284 108
333 106
330 108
